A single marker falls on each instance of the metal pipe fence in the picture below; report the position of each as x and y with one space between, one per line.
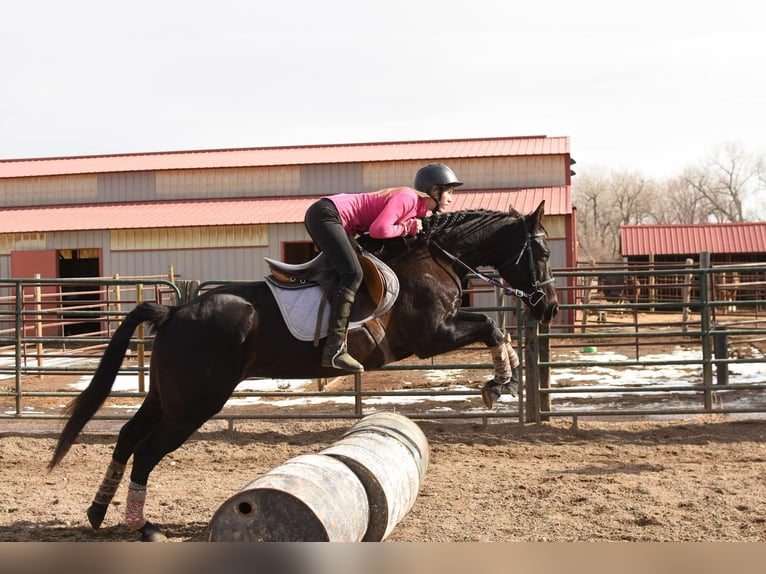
682 333
569 369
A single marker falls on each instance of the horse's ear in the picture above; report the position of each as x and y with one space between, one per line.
537 215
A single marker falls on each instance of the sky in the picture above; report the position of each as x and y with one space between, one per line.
650 87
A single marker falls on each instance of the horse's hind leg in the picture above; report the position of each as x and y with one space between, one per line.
169 434
136 428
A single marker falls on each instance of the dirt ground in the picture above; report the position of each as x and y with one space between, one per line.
694 479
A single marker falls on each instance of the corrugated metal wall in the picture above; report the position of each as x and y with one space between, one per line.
125 187
245 262
228 263
478 173
232 182
49 190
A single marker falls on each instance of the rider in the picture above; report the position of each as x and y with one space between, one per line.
391 212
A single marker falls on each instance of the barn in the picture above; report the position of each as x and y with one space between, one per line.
730 247
215 214
727 243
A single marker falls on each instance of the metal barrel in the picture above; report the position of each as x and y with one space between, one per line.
309 498
398 427
389 453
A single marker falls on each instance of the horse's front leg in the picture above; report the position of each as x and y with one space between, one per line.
506 364
505 361
468 327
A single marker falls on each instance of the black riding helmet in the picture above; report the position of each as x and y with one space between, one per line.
435 174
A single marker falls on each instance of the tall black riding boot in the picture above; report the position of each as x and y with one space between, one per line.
334 353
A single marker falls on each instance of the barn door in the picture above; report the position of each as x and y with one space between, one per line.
24 265
80 263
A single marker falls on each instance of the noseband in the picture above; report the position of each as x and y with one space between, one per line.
535 296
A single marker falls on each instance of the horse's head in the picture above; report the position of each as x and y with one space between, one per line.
529 271
514 244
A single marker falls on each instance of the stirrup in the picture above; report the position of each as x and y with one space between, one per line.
343 361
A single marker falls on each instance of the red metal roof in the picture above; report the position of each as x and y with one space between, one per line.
693 239
558 200
295 155
251 211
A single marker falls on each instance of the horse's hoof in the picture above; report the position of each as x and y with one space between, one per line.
96 514
150 533
490 393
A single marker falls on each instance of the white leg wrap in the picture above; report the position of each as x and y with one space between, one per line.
134 509
501 364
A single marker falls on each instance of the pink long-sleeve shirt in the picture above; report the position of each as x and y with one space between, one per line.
381 215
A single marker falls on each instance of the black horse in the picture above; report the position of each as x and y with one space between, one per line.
204 348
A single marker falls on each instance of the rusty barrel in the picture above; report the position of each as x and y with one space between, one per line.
309 498
389 453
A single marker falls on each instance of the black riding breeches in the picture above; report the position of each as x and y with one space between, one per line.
326 229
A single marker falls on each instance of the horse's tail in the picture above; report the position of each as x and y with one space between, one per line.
85 405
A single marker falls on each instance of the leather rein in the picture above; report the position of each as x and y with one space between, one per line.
534 297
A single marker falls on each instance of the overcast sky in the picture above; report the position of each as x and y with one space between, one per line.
650 86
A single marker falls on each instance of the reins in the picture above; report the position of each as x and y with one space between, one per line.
534 297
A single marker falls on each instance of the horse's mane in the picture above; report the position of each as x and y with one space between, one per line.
455 226
447 228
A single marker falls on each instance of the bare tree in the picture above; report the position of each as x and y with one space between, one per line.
633 197
680 202
718 189
725 180
605 202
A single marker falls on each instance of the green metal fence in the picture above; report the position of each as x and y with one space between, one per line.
569 369
696 324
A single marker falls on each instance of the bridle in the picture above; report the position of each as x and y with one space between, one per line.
533 297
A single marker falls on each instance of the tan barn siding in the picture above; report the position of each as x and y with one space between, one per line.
232 263
21 242
238 264
78 240
221 236
555 225
54 190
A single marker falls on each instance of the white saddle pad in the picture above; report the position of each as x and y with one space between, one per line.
300 304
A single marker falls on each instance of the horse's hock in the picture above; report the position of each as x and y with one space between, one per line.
357 489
